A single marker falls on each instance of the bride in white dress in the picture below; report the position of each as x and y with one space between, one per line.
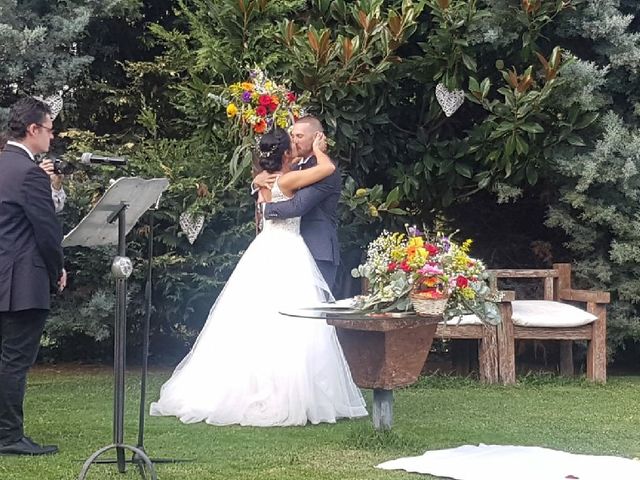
250 365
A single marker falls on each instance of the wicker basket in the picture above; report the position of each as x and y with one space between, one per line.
424 305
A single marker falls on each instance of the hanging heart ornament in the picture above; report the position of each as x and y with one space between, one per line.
191 225
55 103
449 101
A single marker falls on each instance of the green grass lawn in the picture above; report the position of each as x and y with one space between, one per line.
73 408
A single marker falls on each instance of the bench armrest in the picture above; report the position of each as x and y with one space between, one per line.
594 296
507 295
523 273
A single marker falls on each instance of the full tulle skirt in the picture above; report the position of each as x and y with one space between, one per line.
253 366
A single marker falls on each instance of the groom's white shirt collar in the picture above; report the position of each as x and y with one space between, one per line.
19 145
304 160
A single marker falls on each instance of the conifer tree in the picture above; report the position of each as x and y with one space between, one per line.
600 185
41 51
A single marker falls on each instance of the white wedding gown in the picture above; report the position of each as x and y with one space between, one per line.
252 366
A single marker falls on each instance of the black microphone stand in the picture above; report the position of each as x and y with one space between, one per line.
136 459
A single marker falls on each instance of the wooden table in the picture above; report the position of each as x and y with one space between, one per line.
384 351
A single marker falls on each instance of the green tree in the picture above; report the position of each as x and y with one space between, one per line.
599 187
40 45
533 78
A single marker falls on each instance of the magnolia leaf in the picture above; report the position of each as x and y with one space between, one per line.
575 140
532 127
586 120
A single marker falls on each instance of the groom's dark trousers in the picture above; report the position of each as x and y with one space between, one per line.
30 265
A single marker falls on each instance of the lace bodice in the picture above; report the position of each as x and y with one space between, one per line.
285 224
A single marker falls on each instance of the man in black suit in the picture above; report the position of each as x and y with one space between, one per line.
317 204
31 264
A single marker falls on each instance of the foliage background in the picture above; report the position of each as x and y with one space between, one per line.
540 164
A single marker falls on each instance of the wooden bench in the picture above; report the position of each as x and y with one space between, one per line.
487 337
556 288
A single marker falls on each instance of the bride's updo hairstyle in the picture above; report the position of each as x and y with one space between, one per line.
272 148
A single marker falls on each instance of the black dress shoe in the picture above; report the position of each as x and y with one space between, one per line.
26 446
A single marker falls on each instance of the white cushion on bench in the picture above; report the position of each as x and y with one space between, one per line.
465 320
545 313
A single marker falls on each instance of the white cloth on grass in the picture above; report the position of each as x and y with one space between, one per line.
508 462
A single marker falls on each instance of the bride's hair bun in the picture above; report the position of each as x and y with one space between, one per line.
271 149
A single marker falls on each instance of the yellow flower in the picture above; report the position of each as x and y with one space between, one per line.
247 86
248 113
232 110
235 89
398 254
468 293
361 192
416 242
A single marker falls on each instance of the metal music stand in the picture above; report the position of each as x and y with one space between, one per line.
126 200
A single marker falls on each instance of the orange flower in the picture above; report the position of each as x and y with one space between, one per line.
430 281
260 127
247 86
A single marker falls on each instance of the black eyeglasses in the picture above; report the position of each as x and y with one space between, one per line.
49 129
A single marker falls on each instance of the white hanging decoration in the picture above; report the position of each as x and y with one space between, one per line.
191 225
449 101
54 102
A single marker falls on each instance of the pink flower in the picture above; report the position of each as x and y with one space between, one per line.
430 269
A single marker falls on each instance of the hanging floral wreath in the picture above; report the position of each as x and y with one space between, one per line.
259 104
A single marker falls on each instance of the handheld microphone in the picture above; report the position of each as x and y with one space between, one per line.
93 159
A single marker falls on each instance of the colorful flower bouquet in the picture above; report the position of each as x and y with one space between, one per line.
259 103
409 271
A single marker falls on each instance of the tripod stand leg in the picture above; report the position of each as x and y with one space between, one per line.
144 462
122 468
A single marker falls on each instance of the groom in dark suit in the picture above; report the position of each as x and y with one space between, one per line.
31 264
317 204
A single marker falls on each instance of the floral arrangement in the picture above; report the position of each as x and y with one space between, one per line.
433 267
259 103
